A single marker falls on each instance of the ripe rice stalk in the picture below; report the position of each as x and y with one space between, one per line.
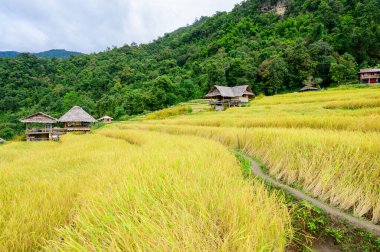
354 104
127 190
344 163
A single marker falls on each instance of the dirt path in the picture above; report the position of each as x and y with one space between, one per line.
367 225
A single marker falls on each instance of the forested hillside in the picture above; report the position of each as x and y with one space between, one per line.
274 46
54 53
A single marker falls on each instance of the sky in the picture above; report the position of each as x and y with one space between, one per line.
93 25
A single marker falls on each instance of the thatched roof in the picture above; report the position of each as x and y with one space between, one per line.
307 88
373 70
39 118
105 117
76 114
230 92
1 140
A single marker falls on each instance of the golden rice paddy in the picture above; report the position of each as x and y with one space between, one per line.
128 190
325 142
173 184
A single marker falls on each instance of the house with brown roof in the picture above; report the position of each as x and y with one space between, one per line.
222 96
369 76
39 127
77 119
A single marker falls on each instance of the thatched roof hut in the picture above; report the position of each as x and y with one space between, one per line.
105 119
229 96
77 114
308 88
230 92
42 132
39 118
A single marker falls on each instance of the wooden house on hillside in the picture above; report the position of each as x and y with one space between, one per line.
369 76
229 96
76 119
39 127
105 119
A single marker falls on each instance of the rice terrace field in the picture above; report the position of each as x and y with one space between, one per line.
175 183
326 142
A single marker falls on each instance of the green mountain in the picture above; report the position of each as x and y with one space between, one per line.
8 54
274 46
57 53
54 53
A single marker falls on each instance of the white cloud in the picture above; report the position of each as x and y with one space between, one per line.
10 34
94 25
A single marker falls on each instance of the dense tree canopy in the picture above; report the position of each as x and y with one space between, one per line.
326 40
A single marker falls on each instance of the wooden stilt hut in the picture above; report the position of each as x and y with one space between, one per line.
39 127
229 96
77 120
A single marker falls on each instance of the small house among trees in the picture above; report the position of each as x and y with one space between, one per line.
369 76
39 127
76 119
105 119
229 96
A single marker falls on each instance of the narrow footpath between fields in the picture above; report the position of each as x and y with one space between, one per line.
335 212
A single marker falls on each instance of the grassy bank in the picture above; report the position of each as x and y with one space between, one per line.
314 229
